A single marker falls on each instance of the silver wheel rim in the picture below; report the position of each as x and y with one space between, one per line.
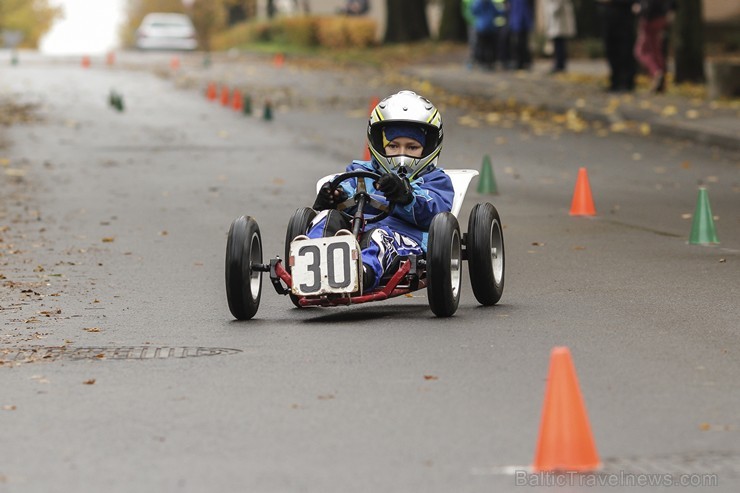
497 252
255 277
455 264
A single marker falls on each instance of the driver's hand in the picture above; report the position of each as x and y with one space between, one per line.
326 200
395 188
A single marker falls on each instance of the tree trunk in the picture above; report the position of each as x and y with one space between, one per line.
452 26
406 21
688 39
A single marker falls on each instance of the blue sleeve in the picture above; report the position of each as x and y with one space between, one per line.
433 193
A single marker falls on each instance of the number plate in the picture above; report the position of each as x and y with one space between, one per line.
325 266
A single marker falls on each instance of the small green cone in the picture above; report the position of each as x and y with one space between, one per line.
247 104
486 181
119 103
267 115
207 60
14 59
702 226
112 97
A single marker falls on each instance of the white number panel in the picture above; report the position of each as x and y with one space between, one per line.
325 265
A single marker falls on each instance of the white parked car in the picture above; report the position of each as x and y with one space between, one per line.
166 31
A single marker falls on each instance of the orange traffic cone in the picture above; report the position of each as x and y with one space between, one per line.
110 58
583 202
565 442
236 100
175 63
224 96
370 107
85 61
278 60
373 103
211 91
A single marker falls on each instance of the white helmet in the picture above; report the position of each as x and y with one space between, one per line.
406 109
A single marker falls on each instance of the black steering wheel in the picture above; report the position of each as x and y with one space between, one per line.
384 209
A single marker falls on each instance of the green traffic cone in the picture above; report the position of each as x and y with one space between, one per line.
207 60
112 97
267 115
487 182
120 105
14 59
247 104
702 226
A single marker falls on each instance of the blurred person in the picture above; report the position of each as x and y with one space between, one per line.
490 20
466 7
619 42
651 28
521 20
560 24
355 7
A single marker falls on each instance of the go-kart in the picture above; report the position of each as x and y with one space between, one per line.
328 271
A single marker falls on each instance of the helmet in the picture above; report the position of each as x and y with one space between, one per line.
409 109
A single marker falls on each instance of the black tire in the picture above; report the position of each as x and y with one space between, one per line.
485 249
444 265
297 225
243 284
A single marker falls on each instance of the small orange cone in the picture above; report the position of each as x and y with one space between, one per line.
278 60
565 442
370 107
224 96
211 91
583 202
85 61
110 58
175 63
236 100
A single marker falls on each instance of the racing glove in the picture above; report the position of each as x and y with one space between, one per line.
326 200
395 188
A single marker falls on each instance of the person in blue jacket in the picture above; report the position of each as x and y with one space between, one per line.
404 136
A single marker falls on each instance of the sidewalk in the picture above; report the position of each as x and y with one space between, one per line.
581 90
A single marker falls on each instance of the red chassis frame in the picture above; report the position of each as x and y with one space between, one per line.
390 290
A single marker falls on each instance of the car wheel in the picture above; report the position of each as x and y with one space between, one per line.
243 284
444 265
485 249
297 225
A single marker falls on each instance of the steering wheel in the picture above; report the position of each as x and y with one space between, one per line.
361 191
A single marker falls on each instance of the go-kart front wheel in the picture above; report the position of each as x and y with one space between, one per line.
297 225
444 262
485 248
243 284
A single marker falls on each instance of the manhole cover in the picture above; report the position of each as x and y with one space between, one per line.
29 354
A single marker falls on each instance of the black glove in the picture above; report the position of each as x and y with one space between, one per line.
326 200
395 188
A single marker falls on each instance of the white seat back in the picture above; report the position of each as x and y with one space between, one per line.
460 181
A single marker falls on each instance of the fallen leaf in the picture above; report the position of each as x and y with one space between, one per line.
108 239
430 377
92 329
8 408
89 382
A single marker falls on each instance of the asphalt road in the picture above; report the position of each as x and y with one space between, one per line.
113 229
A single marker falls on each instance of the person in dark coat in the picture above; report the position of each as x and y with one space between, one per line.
521 21
619 42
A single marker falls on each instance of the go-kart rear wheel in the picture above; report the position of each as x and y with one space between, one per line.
485 248
243 284
444 262
297 225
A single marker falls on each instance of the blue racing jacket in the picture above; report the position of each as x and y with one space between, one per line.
433 193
